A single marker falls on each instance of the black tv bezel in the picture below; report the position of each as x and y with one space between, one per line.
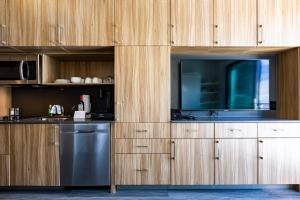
215 109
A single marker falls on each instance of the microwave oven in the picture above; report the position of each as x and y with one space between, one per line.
20 69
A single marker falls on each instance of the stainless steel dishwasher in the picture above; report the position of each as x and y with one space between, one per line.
85 154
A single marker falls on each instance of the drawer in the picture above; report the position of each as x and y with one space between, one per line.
278 129
4 170
142 169
236 130
4 139
142 130
142 146
192 130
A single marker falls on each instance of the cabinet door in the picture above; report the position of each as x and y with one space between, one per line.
142 169
192 22
4 139
142 82
236 161
192 161
48 26
24 20
278 22
279 161
142 22
4 170
235 23
34 155
85 22
3 25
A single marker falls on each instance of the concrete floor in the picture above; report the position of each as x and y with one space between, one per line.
157 194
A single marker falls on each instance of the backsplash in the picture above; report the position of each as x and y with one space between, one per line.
34 101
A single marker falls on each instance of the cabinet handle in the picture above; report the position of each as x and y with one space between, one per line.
232 130
278 129
260 149
260 30
216 42
142 146
173 150
217 156
142 170
3 41
60 30
191 130
142 131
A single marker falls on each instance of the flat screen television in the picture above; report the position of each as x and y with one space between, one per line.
225 84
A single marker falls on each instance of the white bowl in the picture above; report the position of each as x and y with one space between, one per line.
76 80
62 81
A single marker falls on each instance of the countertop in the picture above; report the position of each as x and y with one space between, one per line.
40 120
232 119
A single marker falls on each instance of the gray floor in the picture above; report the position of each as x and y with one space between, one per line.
162 194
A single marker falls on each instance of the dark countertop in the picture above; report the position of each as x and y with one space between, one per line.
40 120
232 120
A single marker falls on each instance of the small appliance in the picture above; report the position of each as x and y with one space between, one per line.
85 103
14 113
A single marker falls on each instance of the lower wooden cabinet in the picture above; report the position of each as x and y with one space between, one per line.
279 161
4 139
236 161
4 170
192 161
34 155
142 169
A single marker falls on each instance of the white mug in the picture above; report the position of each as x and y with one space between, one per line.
88 80
95 80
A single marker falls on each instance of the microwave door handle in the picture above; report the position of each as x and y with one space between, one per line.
21 70
28 72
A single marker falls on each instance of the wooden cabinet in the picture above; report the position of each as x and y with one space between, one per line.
192 161
142 146
142 22
142 169
4 139
192 22
235 23
24 20
278 22
4 170
236 130
34 153
85 22
192 130
236 161
142 84
3 23
279 161
282 130
48 23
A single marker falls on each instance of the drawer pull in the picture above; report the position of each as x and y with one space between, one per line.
191 130
142 131
142 146
277 129
142 170
232 130
260 157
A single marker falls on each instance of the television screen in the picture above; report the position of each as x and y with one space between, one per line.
225 84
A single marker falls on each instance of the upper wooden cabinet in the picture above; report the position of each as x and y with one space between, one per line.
142 22
85 22
34 154
3 26
278 22
192 22
235 23
142 84
24 21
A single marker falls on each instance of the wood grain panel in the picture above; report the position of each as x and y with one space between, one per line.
142 22
280 163
142 169
142 146
278 130
236 130
192 130
192 22
142 84
24 22
5 101
142 130
4 170
193 162
288 86
34 156
4 139
48 26
237 161
86 22
279 21
235 23
3 23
